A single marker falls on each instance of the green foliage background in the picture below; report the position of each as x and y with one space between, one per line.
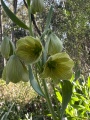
72 24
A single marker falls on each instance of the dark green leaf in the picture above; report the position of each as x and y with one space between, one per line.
12 16
66 94
34 83
28 2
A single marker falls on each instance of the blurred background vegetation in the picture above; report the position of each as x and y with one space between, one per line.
71 22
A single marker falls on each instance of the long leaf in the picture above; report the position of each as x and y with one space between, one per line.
49 18
48 21
34 83
12 16
66 94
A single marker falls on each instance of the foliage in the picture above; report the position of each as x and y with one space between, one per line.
79 105
44 64
80 102
77 109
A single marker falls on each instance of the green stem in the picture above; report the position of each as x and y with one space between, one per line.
30 21
48 100
46 90
58 110
36 76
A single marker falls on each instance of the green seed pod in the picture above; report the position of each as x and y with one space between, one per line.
58 66
37 6
16 70
53 44
29 49
5 47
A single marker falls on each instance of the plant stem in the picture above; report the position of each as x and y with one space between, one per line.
58 110
30 21
36 76
46 91
48 100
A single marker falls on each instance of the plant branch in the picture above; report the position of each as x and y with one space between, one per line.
33 19
34 23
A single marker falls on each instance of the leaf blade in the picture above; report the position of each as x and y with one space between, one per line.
12 16
34 83
49 18
48 21
66 94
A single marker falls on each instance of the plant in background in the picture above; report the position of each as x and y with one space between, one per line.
40 60
79 106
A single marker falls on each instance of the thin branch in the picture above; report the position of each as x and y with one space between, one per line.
33 19
34 23
25 4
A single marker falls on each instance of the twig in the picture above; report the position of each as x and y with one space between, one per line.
33 19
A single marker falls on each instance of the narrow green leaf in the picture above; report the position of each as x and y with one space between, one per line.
49 18
34 83
88 81
48 21
66 94
59 97
5 116
12 16
77 74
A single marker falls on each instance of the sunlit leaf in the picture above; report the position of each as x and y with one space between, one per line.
59 97
88 82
